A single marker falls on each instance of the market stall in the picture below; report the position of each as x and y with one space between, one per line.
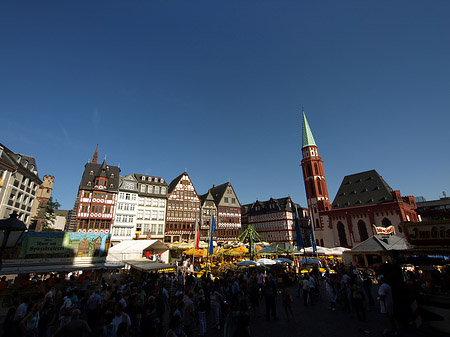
135 249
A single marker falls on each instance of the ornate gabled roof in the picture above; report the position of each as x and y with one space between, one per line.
91 171
307 137
362 189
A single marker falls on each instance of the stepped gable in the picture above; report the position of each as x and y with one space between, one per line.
362 189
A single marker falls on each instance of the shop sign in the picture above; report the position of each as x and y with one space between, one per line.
45 245
385 230
427 233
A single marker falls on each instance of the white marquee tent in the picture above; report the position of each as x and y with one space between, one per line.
136 249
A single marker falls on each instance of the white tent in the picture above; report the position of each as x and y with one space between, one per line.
135 249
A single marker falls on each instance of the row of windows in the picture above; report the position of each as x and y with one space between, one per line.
21 197
185 204
127 196
154 202
154 229
181 226
189 194
98 195
95 209
124 218
152 189
156 180
228 232
180 214
121 231
126 207
93 224
146 215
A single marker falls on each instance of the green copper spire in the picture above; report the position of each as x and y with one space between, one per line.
308 139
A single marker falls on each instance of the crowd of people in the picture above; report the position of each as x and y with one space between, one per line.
184 305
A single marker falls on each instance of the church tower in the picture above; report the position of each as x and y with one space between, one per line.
315 183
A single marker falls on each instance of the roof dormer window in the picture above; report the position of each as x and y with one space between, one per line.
25 163
19 158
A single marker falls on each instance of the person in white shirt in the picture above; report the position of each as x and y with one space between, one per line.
120 317
22 309
386 304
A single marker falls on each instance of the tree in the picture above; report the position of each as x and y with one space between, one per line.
50 216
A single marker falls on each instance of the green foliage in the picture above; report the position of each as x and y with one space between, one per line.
50 216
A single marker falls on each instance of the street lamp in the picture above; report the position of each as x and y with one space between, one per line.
11 230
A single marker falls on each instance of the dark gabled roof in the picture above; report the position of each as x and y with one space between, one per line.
111 172
10 159
362 189
206 197
218 191
175 182
281 204
378 243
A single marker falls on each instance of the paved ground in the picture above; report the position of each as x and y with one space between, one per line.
317 320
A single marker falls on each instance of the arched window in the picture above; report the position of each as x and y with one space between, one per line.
316 168
386 223
321 243
341 233
319 187
362 230
317 223
309 170
313 190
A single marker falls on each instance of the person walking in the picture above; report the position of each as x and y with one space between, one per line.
216 302
330 287
75 328
306 290
31 322
287 303
270 292
387 305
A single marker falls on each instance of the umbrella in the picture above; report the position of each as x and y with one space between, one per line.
247 263
267 250
309 261
266 262
283 260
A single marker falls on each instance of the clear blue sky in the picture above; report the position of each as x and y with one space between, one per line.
217 87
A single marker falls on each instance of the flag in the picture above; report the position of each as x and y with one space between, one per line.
213 229
298 232
197 237
313 239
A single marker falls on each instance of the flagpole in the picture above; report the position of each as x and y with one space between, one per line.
195 242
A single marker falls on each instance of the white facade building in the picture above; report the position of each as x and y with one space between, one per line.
19 182
124 225
151 206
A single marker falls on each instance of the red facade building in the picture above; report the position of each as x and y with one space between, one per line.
183 210
363 204
97 195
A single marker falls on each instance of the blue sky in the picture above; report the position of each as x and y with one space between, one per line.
217 87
